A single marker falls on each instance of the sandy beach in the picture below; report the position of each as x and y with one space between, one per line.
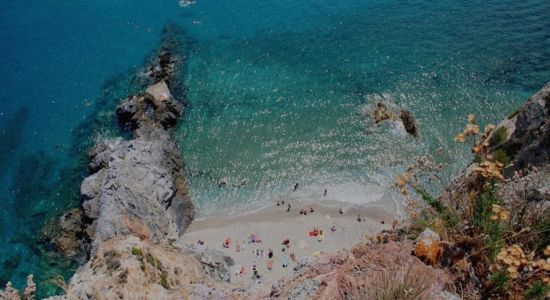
335 231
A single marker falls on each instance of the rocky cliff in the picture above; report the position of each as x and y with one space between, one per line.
521 143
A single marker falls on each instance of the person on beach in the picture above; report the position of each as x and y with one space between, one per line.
358 218
341 211
311 209
270 264
270 253
333 228
288 208
325 193
242 272
293 257
237 247
286 243
227 243
295 187
314 232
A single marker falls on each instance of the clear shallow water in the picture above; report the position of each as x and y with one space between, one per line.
274 88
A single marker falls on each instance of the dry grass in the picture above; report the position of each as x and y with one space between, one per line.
403 284
60 282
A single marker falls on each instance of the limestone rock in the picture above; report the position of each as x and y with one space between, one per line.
160 92
216 264
90 191
98 157
428 247
428 234
136 269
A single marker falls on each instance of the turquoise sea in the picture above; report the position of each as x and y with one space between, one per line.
274 93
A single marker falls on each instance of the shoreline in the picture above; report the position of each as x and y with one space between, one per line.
388 200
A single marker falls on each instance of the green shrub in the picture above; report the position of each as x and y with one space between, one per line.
502 156
446 215
436 204
483 206
543 227
499 136
482 218
537 291
478 159
137 252
153 261
500 281
515 112
164 280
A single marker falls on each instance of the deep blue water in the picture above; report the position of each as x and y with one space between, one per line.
274 89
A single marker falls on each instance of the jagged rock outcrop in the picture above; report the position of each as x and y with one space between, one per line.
525 136
384 113
137 186
522 143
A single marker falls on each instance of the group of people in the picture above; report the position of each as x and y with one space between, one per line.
304 211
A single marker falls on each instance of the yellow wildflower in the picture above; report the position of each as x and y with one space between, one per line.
490 169
488 129
471 129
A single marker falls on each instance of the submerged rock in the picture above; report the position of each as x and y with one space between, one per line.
409 122
381 113
65 234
